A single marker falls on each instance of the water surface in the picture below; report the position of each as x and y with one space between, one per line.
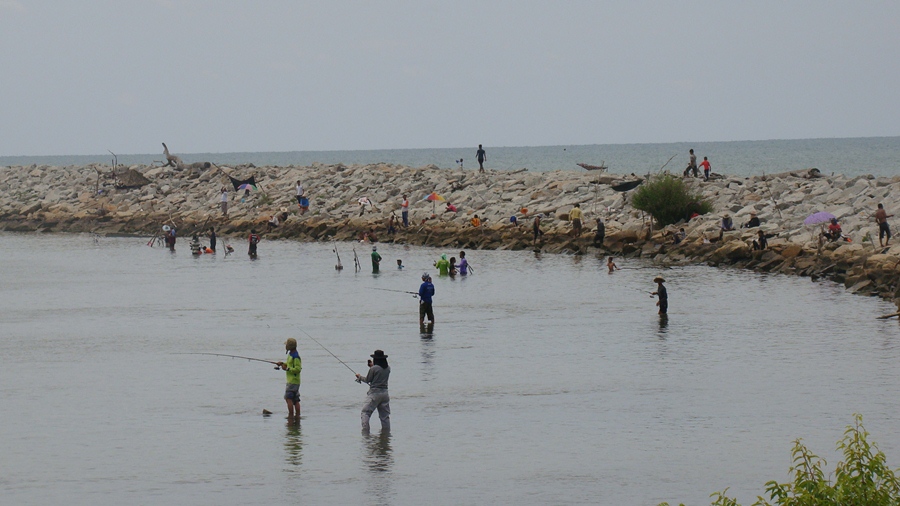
545 381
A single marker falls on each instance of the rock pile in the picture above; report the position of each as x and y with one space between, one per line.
87 199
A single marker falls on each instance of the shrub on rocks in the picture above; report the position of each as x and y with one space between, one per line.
668 200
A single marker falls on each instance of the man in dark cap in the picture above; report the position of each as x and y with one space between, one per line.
377 396
426 291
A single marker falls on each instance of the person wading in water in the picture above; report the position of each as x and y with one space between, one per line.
377 397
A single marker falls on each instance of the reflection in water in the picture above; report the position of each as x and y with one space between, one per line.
293 442
426 330
663 325
427 356
379 459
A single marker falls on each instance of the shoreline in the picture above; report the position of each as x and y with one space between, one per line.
87 199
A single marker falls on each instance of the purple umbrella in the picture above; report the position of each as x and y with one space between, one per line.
819 217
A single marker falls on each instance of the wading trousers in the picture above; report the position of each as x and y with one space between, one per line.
380 400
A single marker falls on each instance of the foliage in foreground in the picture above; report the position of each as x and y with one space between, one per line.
862 479
668 200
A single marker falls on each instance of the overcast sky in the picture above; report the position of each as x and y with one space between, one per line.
81 77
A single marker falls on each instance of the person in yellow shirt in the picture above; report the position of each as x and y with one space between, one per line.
476 222
575 218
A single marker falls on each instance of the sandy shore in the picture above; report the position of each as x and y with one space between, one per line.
87 199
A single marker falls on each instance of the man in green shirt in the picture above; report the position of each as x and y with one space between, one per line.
292 370
376 259
443 266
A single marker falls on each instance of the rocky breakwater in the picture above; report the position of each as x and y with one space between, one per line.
140 199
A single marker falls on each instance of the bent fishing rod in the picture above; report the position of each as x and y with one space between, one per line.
235 356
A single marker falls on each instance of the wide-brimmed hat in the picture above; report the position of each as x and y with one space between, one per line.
752 213
284 209
378 354
659 279
726 215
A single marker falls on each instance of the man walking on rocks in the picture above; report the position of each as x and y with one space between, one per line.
481 157
881 217
692 165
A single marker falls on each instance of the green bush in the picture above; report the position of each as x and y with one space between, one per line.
862 479
668 200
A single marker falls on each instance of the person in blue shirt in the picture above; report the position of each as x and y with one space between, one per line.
426 291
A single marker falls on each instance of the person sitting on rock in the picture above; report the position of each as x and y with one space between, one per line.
476 222
679 236
834 231
450 208
753 222
760 243
727 225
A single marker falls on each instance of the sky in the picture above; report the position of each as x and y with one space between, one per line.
84 77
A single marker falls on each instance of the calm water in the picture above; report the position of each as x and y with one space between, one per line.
545 381
874 155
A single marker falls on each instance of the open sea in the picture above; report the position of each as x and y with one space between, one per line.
545 380
879 156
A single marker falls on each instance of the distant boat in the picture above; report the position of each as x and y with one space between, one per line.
601 167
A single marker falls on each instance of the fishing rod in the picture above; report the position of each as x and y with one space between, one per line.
329 351
337 267
235 356
415 294
667 162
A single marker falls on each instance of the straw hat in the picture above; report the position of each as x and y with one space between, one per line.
658 279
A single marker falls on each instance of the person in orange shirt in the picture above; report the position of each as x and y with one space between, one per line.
476 222
705 165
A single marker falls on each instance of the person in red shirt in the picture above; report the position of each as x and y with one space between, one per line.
834 231
705 165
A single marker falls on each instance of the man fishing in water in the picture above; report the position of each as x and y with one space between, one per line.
292 371
663 295
426 291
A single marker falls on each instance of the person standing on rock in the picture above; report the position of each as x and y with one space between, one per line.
426 292
601 233
299 194
663 295
481 157
706 167
575 217
404 211
881 217
692 165
224 202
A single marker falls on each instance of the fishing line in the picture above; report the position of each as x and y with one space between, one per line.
329 351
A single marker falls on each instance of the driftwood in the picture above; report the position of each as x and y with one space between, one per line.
885 317
172 160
